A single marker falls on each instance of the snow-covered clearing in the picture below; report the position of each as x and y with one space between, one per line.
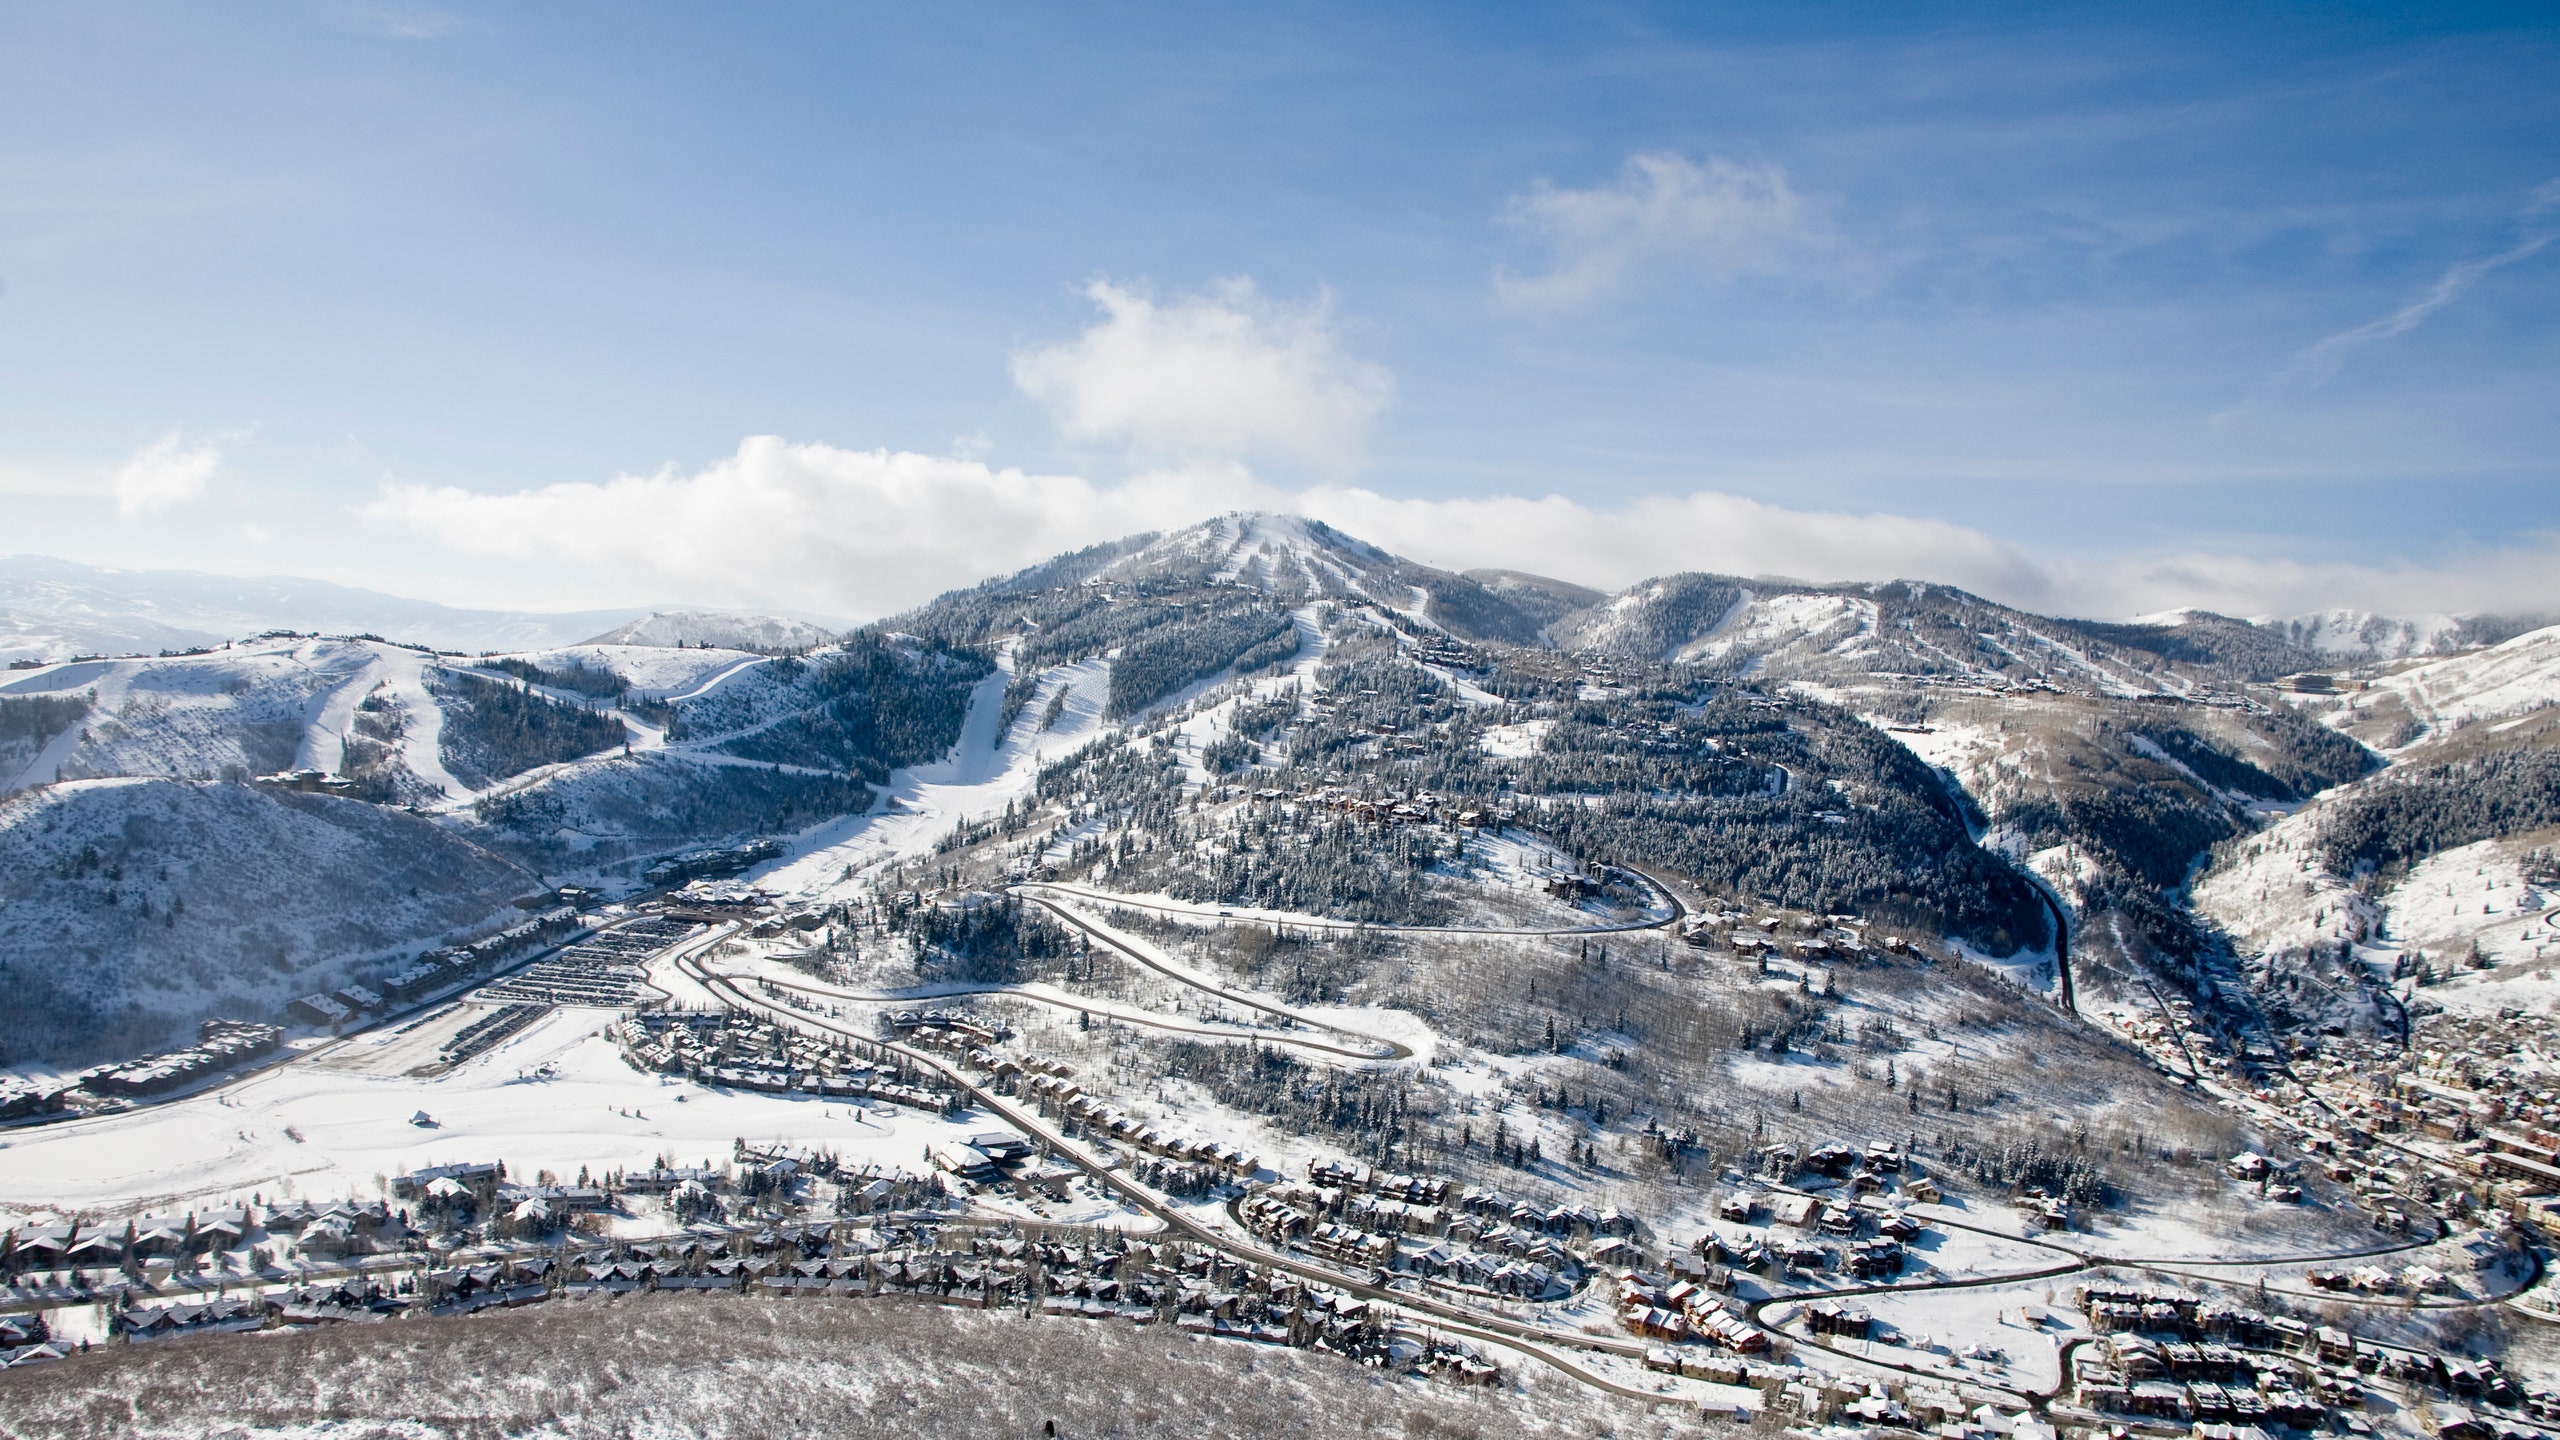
1516 742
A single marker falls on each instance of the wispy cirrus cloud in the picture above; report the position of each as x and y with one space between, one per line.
1663 213
2320 361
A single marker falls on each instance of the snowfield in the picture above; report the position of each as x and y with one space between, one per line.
553 1097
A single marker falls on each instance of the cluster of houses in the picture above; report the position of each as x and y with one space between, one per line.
1926 1406
221 1045
2469 1122
2172 1356
1192 1290
954 1032
435 971
1815 939
454 1197
28 1340
29 1250
1415 1225
23 1099
2380 1280
740 1051
1189 1166
61 1260
1679 1307
1421 808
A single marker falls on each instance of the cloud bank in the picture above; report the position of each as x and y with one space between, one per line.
866 533
809 527
1196 387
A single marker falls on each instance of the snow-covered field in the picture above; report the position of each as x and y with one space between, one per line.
655 671
554 1097
2476 899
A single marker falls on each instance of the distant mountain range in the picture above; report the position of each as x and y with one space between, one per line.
718 630
53 609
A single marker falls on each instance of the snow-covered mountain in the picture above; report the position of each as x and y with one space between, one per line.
2363 635
2502 694
52 609
1296 560
1830 634
719 629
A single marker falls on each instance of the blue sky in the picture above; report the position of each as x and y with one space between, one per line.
2098 308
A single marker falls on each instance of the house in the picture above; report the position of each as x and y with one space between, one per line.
1000 1146
963 1160
1825 1317
1798 1211
319 1010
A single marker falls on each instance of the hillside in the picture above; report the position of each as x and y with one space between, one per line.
732 1369
2496 695
1257 832
130 908
1899 750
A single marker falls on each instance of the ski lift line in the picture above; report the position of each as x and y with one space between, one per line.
1102 1009
1388 1049
1677 910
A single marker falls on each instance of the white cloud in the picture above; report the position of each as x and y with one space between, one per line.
1721 220
864 533
1225 375
857 533
166 472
